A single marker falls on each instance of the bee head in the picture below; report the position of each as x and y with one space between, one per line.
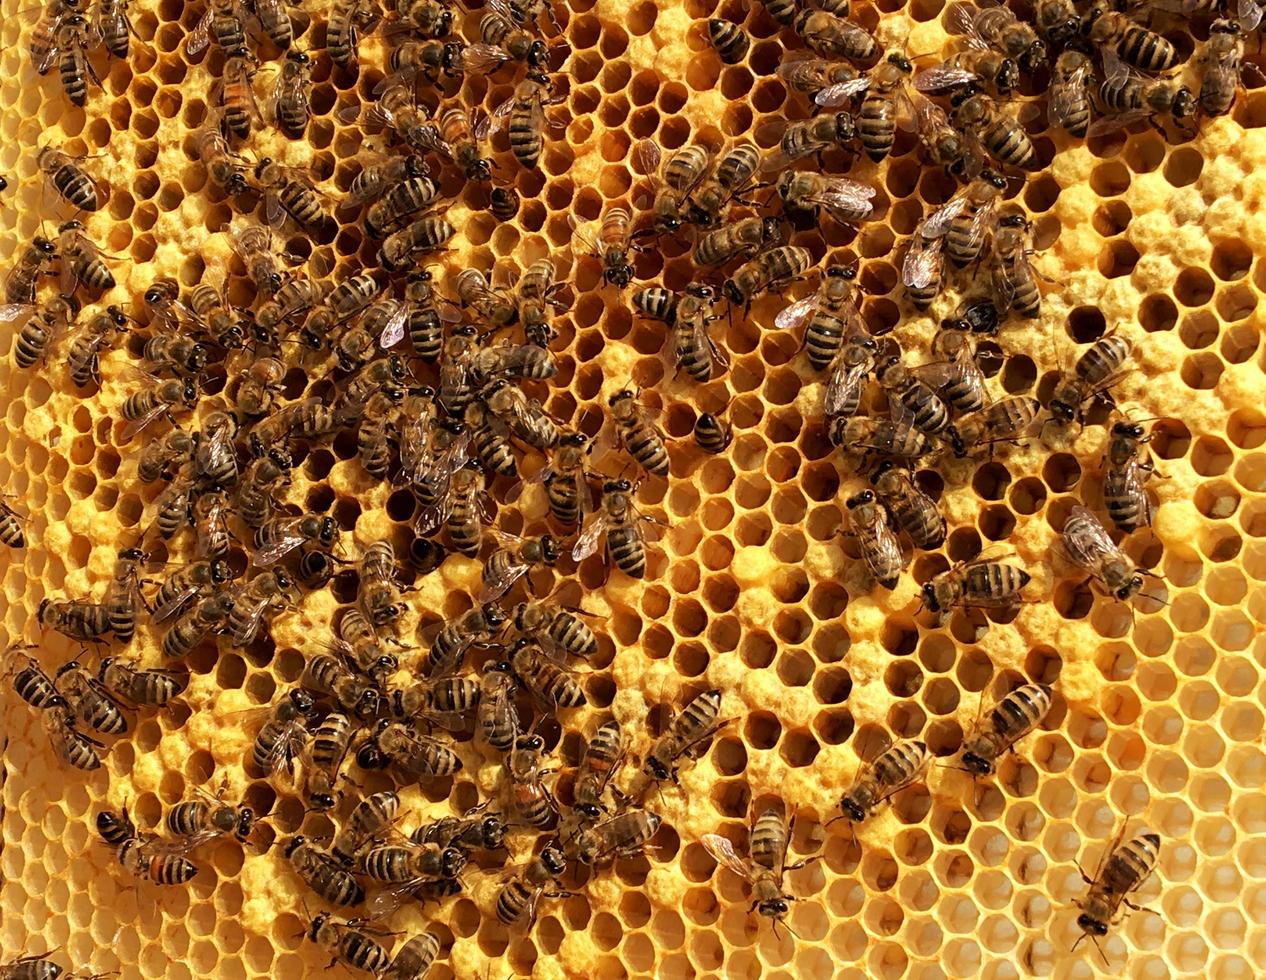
1184 102
774 907
857 500
977 764
302 702
617 486
1092 925
43 244
554 861
852 810
297 56
929 597
899 60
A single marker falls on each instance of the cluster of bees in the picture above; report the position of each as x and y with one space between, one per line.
434 406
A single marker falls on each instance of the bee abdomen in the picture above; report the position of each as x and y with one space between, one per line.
627 551
878 127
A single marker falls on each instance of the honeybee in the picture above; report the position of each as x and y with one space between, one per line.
1069 103
72 183
81 260
73 40
414 958
324 875
349 298
1124 496
502 41
620 836
518 897
1130 97
37 967
975 64
768 271
891 771
496 717
290 107
288 192
1011 719
695 723
347 20
515 558
619 524
404 247
503 203
490 438
238 109
188 582
886 98
44 35
330 676
832 317
281 535
730 41
208 818
977 584
914 510
90 701
682 170
253 245
551 684
1056 20
1000 134
766 867
887 437
943 145
612 246
445 701
806 137
257 389
879 545
491 304
1095 371
513 361
477 625
410 196
152 860
425 323
835 37
843 199
70 745
408 865
962 222
123 595
378 595
29 680
420 757
51 320
326 752
427 59
828 83
563 628
467 509
525 416
744 237
712 434
530 801
274 18
603 757
999 27
357 641
375 179
223 166
1014 279
688 314
211 529
86 622
1091 549
178 354
1111 30
21 281
11 532
1221 57
208 304
959 381
1122 869
222 20
1006 420
345 943
525 113
732 176
254 605
206 616
130 684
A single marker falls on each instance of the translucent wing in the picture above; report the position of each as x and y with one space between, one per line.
393 329
844 387
962 20
287 747
134 427
1066 94
844 194
647 155
245 630
722 851
942 77
200 36
797 313
12 312
480 124
165 611
1111 124
834 96
922 264
483 58
280 546
502 580
591 538
1086 540
938 222
577 235
1249 13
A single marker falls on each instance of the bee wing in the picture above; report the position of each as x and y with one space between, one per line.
589 244
938 222
288 746
1087 542
1249 13
200 36
13 312
1111 124
393 330
922 264
722 851
834 96
844 386
166 610
591 538
480 124
1066 93
247 629
962 20
503 581
943 76
277 549
840 192
647 155
134 427
482 58
797 313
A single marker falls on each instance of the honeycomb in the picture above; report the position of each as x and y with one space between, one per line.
1158 716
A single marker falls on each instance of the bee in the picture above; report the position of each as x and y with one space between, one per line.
831 313
112 25
765 868
86 622
329 676
73 40
325 755
518 897
885 87
619 523
513 361
886 437
490 304
38 967
523 415
744 237
551 684
515 558
526 118
460 138
288 192
728 181
530 801
90 701
123 595
604 755
222 165
879 546
378 595
167 312
691 314
1057 21
783 11
468 509
1005 420
222 21
414 958
1000 134
207 615
976 64
1111 30
420 757
849 370
974 315
150 860
115 828
1124 497
490 438
891 771
290 106
254 605
564 629
403 200
682 170
349 298
281 535
174 506
1090 548
70 745
408 865
207 303
348 19
426 59
52 319
1131 97
712 434
30 681
324 875
696 722
503 203
612 246
236 98
1011 719
476 626
731 42
12 533
253 245
496 717
210 520
843 199
965 219
81 260
500 42
1000 28
445 701
807 137
44 36
258 387
372 817
1095 371
834 37
425 323
620 836
978 584
914 510
912 399
374 180
283 735
639 436
1122 869
188 582
20 284
403 247
1014 279
349 945
768 271
1069 104
1221 58
208 818
828 83
181 355
145 688
943 145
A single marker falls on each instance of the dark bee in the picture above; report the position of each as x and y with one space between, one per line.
1222 58
274 18
282 736
513 560
731 42
323 874
408 244
619 525
613 245
1135 45
51 320
503 203
681 172
1095 371
768 271
426 59
744 237
114 828
208 818
206 616
86 622
347 20
527 118
347 944
491 304
551 684
147 688
74 39
223 21
890 772
12 534
290 105
288 192
835 37
767 864
885 94
879 545
1011 719
886 437
639 436
1006 420
518 898
496 717
425 324
999 27
1122 869
330 677
81 260
1124 472
694 724
711 434
281 535
414 958
326 751
1056 20
1000 134
403 200
20 284
223 166
502 41
1131 97
372 817
478 625
980 584
913 509
729 179
84 353
1069 103
29 680
420 757
69 744
149 860
832 316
